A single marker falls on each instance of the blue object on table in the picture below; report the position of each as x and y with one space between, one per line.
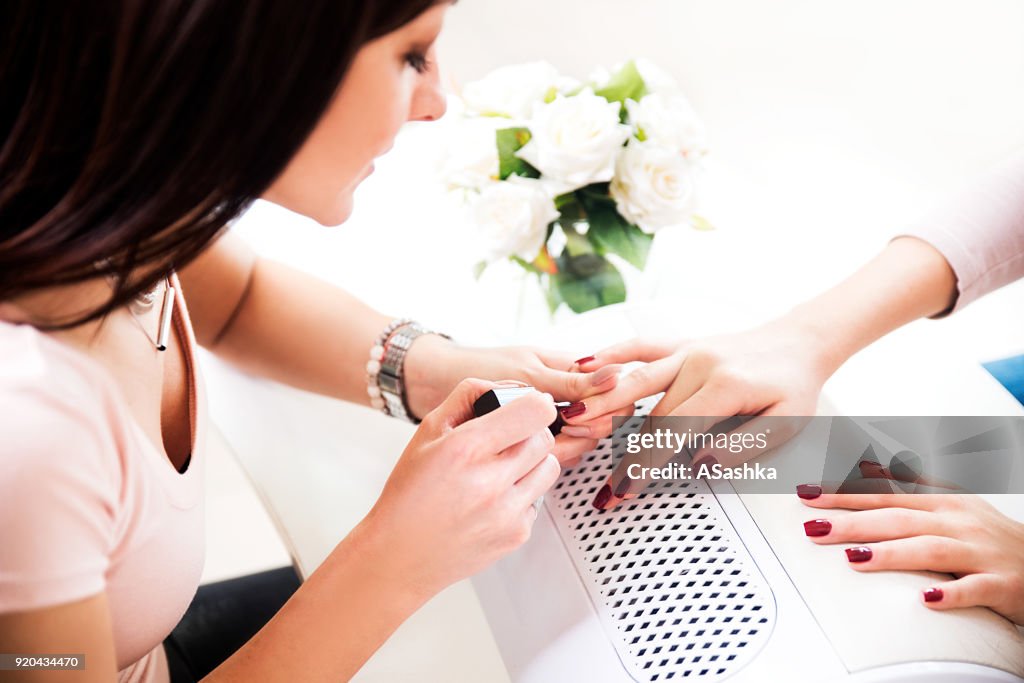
1010 373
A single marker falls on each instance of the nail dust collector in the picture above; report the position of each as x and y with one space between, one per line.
699 583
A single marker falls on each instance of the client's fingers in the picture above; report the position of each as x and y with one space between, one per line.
754 437
974 589
874 470
599 426
644 381
620 485
870 526
812 496
918 553
636 349
575 386
569 450
686 397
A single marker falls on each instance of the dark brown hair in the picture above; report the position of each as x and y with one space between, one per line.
132 132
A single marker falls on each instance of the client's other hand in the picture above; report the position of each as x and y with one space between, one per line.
958 534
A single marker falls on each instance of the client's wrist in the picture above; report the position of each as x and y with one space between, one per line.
819 339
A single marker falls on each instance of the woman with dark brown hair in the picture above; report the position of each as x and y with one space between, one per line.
132 134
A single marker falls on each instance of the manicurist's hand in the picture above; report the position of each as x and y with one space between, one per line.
435 365
462 494
959 534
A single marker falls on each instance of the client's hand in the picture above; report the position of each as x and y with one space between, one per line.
776 369
958 534
434 366
462 494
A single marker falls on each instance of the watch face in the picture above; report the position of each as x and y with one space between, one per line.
389 383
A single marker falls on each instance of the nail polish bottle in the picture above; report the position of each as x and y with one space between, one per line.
496 398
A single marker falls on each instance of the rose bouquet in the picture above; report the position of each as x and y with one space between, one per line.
566 177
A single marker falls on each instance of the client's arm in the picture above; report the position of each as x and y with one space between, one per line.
966 248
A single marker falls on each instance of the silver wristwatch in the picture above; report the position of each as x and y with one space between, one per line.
391 375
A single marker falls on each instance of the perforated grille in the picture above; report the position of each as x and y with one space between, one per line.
675 589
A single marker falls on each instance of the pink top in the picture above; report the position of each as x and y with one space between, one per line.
88 503
981 233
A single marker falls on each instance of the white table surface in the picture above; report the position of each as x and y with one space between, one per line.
831 125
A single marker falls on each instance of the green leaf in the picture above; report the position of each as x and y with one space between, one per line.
597 192
575 243
510 141
611 233
701 223
564 200
570 210
627 84
551 95
478 269
602 285
585 265
525 265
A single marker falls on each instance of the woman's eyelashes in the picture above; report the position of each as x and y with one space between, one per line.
418 61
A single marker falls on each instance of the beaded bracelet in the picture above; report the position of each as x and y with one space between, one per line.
385 369
373 365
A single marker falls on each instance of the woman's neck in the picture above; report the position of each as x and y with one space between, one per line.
45 308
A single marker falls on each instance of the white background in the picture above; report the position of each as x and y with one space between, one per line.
831 124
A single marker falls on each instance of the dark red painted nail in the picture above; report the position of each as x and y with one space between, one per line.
585 360
933 595
818 527
602 497
858 554
574 410
808 491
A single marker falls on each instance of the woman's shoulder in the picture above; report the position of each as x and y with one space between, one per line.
61 475
49 392
29 358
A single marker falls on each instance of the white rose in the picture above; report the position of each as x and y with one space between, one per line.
652 186
656 79
512 218
511 91
471 154
668 121
575 140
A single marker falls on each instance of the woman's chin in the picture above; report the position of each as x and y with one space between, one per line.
329 215
334 216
